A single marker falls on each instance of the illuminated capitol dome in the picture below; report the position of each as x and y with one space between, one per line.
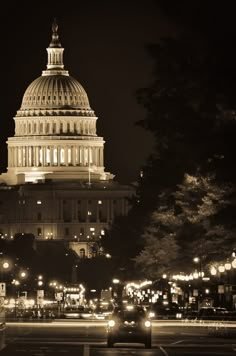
55 129
56 187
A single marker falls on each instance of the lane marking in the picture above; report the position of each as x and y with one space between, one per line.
163 351
177 342
86 350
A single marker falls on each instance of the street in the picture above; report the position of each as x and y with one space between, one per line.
88 338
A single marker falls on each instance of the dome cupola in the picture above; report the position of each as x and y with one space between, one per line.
55 129
55 89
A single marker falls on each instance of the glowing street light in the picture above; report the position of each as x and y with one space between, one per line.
221 268
116 281
213 271
228 266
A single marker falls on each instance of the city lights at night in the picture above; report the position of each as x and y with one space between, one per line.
117 178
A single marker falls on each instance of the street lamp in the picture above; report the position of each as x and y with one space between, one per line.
213 271
16 283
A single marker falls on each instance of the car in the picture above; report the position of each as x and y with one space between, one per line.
80 312
103 310
212 313
129 324
165 311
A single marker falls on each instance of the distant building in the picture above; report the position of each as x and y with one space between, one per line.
56 186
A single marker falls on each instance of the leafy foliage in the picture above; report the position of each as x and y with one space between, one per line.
158 255
189 180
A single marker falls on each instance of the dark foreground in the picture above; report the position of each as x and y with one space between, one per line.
89 339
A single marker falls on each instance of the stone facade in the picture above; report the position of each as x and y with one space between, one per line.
56 186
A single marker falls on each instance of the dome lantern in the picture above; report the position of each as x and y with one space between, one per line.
55 54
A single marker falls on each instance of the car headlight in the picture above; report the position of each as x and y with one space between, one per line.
147 323
151 315
111 323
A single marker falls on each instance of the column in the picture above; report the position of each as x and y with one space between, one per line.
37 156
44 155
51 156
58 155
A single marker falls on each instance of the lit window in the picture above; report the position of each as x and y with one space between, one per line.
39 202
55 155
92 229
62 155
102 232
89 212
99 202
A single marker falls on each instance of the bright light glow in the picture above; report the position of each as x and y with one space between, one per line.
129 307
147 323
221 268
234 263
213 271
228 266
111 323
116 281
5 265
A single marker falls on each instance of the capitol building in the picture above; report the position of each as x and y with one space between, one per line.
56 186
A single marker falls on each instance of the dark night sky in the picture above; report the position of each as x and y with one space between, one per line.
104 45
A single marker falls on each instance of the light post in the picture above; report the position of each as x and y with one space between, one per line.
4 267
58 295
16 283
199 278
214 273
116 290
221 287
233 264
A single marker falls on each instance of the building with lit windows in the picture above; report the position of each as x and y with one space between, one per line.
56 186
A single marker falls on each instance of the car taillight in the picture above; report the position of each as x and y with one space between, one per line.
147 323
111 323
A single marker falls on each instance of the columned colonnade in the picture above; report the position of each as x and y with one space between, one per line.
54 155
